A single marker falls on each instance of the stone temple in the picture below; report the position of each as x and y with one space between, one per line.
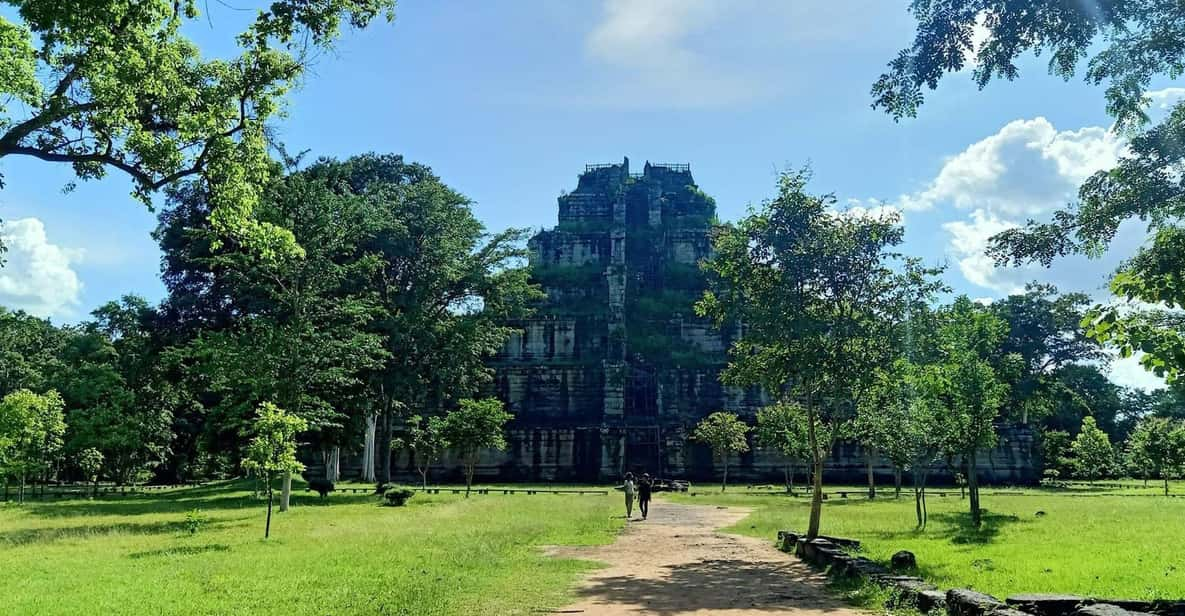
614 369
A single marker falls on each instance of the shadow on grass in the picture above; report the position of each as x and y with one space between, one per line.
715 585
220 496
958 529
27 536
184 550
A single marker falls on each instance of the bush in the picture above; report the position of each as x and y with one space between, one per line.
1052 479
397 497
321 486
194 521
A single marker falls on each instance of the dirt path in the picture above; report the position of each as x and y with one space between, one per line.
678 563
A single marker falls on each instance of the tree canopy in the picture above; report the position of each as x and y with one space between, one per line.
115 84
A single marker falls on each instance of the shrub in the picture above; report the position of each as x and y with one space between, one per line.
194 521
397 497
321 486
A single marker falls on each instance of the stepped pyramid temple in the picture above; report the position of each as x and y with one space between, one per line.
614 370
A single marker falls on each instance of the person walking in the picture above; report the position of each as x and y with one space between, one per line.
645 485
631 489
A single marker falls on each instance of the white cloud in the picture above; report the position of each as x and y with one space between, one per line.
968 240
870 208
38 276
653 47
1129 373
1026 168
1163 101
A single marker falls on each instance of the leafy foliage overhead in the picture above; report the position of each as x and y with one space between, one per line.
114 84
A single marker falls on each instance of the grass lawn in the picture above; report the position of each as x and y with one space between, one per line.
1100 543
441 554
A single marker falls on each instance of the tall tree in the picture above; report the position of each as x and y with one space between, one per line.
446 288
818 296
1044 331
726 435
966 387
114 84
119 401
474 427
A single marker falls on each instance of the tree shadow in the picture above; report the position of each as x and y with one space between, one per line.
220 496
182 550
958 529
717 585
27 536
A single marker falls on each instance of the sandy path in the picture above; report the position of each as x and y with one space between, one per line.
678 563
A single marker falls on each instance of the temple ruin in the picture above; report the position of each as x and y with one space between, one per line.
614 369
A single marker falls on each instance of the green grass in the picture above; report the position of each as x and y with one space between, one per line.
1101 543
441 554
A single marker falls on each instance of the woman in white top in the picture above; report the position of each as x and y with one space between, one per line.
631 489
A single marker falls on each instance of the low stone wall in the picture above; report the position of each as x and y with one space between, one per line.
837 555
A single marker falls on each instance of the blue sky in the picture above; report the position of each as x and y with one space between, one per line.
507 101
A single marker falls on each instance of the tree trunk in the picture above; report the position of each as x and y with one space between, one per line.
20 491
870 454
1166 486
816 478
897 480
789 479
368 448
333 464
267 528
385 446
816 499
973 488
469 467
724 481
285 491
917 496
423 476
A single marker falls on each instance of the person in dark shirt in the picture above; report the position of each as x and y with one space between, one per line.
645 485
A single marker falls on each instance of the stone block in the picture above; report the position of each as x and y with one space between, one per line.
966 602
904 559
1045 604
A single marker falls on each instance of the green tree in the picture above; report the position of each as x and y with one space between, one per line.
90 463
1055 451
819 297
1128 43
1157 447
965 388
725 434
119 400
30 351
114 84
782 426
1044 331
1093 456
31 429
425 440
272 449
475 426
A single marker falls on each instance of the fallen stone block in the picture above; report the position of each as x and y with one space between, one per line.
1106 609
966 602
1046 604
